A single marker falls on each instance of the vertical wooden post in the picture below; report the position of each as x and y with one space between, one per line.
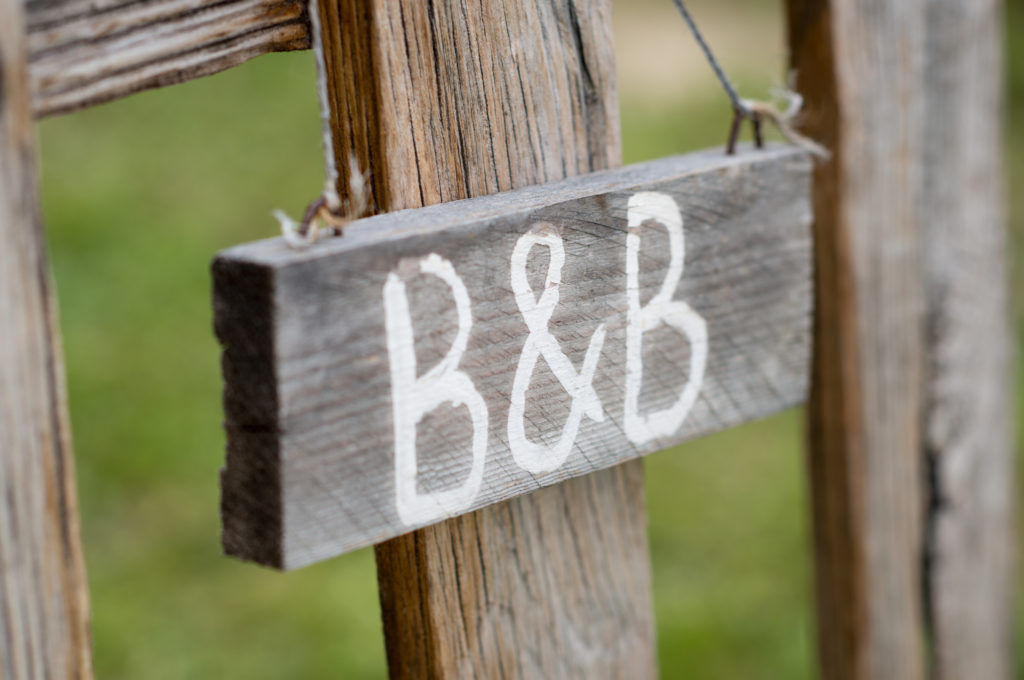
860 66
910 444
44 609
446 100
968 423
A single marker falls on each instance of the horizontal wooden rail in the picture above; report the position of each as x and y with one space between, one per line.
85 52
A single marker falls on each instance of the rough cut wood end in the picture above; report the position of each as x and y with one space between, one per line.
86 52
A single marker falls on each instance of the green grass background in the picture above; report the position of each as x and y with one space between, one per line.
138 196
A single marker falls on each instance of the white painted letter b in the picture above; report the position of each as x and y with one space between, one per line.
642 428
413 398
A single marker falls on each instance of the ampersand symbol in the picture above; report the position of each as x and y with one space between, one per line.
537 312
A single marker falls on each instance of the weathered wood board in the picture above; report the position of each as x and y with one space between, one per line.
971 533
86 52
576 324
862 69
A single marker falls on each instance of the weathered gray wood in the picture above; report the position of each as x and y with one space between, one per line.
44 604
860 67
310 409
453 100
85 52
968 426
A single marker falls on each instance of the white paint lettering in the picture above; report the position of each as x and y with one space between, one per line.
642 428
541 458
412 398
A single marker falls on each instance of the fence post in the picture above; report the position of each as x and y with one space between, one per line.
910 449
44 606
968 434
860 66
450 100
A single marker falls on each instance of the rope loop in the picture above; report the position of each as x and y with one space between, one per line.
751 109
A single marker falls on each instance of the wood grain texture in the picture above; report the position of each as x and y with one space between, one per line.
44 607
968 422
473 98
453 100
861 68
307 349
85 52
551 585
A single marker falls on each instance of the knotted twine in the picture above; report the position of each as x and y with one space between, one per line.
753 109
326 215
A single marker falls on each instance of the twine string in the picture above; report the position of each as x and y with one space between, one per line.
751 109
737 103
327 215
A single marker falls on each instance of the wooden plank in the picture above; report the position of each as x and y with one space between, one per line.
860 67
85 52
453 100
334 354
968 426
44 605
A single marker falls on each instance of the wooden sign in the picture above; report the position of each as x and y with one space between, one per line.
434 361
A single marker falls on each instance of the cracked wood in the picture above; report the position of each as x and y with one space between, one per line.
910 416
860 67
969 402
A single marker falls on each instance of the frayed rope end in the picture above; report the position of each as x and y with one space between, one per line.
783 120
324 216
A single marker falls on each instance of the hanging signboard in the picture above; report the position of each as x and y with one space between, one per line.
433 361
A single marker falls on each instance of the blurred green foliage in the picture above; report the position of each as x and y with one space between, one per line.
1015 183
138 196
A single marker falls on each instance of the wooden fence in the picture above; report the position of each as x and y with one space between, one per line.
905 363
